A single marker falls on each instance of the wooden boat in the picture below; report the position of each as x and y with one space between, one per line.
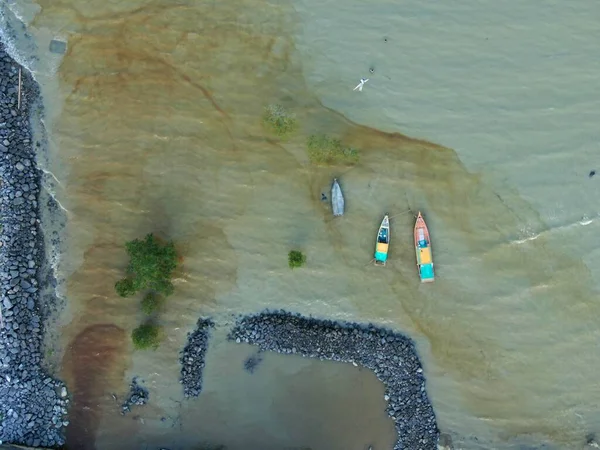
423 250
382 244
337 199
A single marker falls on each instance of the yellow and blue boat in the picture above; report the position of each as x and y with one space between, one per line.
382 245
423 250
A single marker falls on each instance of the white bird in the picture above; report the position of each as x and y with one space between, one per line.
361 84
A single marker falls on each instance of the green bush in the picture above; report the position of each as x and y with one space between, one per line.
296 259
151 266
323 149
151 302
125 287
279 121
146 336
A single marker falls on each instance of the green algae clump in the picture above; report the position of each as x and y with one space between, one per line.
323 149
279 121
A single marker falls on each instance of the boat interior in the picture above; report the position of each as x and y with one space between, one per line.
383 236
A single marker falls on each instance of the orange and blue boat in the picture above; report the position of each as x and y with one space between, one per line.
382 245
423 250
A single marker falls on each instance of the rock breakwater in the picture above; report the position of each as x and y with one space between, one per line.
389 354
193 358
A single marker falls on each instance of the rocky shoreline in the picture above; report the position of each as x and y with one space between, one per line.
390 355
32 403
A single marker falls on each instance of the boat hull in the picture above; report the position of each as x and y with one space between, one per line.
337 199
382 243
423 251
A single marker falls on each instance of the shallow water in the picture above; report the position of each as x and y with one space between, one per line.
154 121
287 402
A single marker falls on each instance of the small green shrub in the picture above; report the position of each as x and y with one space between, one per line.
151 302
146 336
151 266
296 259
125 287
323 149
279 121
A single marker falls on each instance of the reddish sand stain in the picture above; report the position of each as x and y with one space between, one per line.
93 365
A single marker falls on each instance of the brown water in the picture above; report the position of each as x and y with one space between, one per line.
155 127
93 364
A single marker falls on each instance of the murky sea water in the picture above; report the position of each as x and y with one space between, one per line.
154 126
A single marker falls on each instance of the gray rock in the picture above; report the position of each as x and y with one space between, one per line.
138 395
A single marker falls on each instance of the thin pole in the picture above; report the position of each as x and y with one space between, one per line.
19 94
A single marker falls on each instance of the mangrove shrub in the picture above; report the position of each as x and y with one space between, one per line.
151 266
151 302
125 287
146 336
296 259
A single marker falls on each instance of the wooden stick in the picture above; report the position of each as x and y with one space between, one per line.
19 94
